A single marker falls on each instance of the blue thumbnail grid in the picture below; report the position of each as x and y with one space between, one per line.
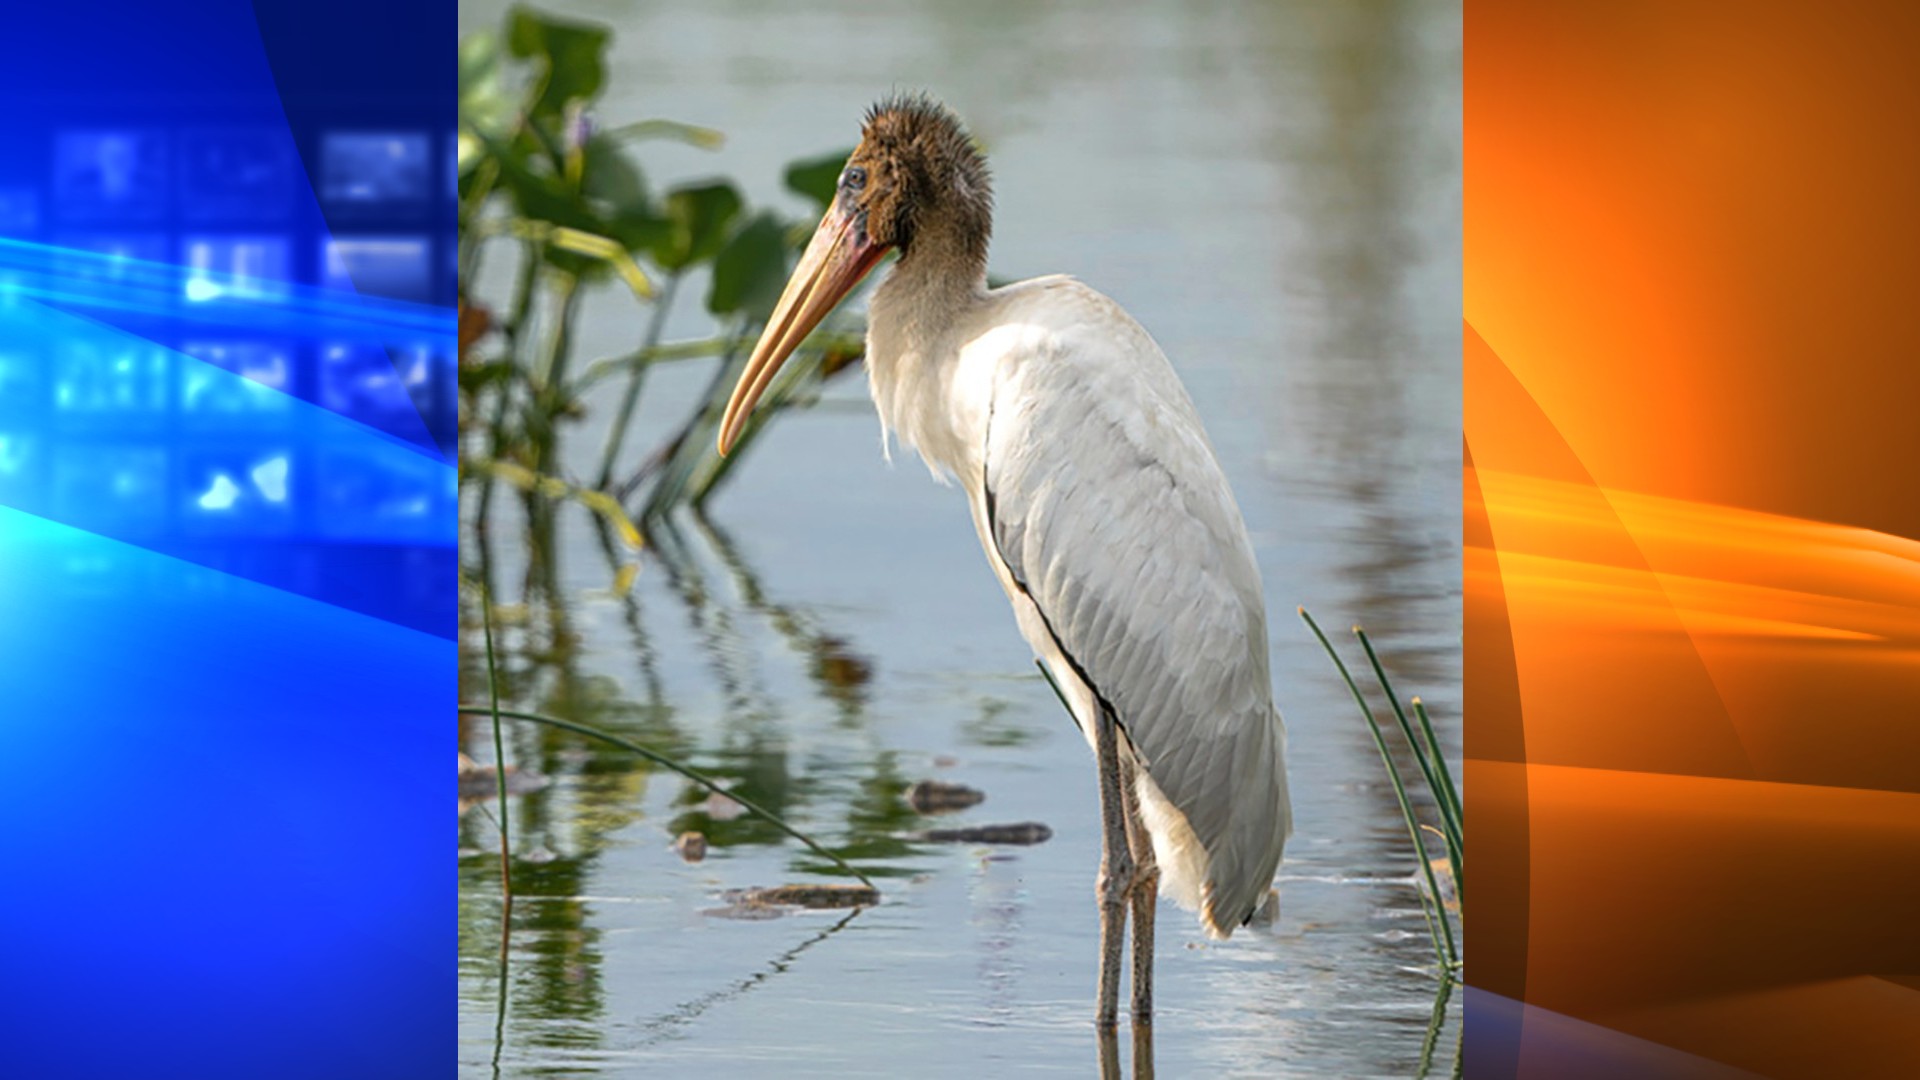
233 342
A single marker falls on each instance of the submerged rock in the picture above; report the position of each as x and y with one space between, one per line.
940 797
1025 832
691 845
806 896
745 912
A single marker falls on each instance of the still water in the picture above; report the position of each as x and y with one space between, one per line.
1274 191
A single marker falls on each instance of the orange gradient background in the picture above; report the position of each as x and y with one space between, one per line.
1692 368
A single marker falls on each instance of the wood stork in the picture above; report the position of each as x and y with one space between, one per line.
1101 508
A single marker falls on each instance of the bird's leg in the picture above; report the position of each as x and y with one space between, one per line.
1144 891
1107 1053
1116 867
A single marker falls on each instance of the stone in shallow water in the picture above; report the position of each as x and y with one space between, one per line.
691 845
745 912
940 797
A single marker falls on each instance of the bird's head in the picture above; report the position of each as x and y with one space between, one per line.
917 174
917 183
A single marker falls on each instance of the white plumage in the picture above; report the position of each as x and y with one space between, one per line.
1101 508
1107 519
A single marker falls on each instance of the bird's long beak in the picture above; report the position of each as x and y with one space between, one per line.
837 257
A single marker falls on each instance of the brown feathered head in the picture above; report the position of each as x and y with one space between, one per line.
917 183
916 171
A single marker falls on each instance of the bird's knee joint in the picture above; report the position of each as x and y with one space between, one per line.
1116 881
1146 880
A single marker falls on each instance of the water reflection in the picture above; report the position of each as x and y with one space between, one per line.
556 959
668 1024
1389 442
600 801
1267 189
1107 1052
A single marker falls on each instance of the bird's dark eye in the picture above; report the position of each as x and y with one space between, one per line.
854 178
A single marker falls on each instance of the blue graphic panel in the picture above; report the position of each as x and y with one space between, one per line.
227 538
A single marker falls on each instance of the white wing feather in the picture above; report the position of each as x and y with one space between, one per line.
1103 507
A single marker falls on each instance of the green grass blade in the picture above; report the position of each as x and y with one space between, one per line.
687 771
1449 825
499 751
1451 793
506 866
1431 905
1435 1023
1448 794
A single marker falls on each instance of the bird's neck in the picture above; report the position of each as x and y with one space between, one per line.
915 327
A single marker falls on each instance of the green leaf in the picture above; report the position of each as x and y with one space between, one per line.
485 109
542 196
749 272
697 220
613 182
570 51
818 178
611 176
637 229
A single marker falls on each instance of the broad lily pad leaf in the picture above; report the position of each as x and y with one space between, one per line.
817 178
697 220
571 52
749 272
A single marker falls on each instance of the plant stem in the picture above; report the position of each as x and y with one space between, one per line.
1440 766
1435 1023
549 391
499 750
531 256
1431 905
1449 823
686 448
635 378
506 865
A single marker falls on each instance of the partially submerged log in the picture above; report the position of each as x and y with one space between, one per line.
806 896
1025 832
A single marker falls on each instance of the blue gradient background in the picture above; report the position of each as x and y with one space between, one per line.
227 539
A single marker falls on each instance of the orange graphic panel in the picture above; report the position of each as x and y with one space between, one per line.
1693 535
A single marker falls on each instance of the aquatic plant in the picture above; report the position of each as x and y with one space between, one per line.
667 761
1441 789
542 180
